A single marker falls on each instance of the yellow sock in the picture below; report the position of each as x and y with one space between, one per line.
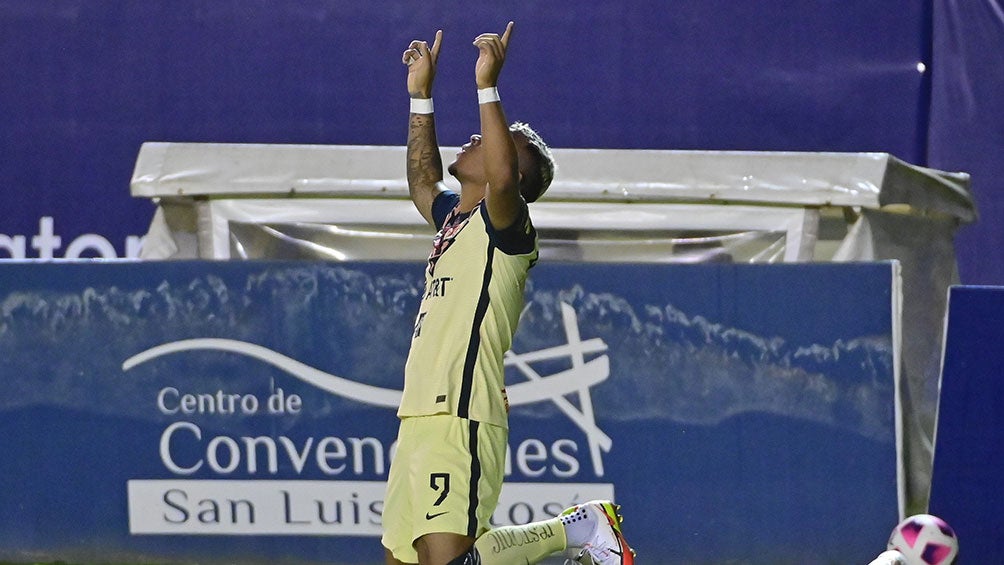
529 543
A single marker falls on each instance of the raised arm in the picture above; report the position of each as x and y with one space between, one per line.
502 197
425 165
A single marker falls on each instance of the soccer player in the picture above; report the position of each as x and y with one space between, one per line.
446 475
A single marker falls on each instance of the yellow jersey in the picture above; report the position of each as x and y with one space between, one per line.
474 285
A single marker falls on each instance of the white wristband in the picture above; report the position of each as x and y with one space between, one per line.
421 105
488 95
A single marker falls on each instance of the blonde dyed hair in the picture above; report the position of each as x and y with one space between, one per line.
539 179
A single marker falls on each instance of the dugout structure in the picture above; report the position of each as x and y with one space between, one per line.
253 201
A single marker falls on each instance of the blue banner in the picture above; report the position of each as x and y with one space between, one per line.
969 455
244 411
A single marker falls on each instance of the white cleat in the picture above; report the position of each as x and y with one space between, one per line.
607 545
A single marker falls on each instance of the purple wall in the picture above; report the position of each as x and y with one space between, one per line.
87 82
967 124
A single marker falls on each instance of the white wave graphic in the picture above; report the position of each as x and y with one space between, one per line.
541 388
369 394
577 380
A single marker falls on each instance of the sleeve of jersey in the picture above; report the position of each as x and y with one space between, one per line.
445 202
517 239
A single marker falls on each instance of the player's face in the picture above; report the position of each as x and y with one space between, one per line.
469 163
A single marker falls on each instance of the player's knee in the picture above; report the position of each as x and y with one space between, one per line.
469 557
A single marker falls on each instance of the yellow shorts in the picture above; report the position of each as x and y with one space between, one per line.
445 478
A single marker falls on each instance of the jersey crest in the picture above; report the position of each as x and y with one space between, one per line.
454 223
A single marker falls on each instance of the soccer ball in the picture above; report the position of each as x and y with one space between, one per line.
925 540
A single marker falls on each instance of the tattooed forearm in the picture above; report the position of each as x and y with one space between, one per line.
425 166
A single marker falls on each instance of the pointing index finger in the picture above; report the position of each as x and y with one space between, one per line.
506 34
435 44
